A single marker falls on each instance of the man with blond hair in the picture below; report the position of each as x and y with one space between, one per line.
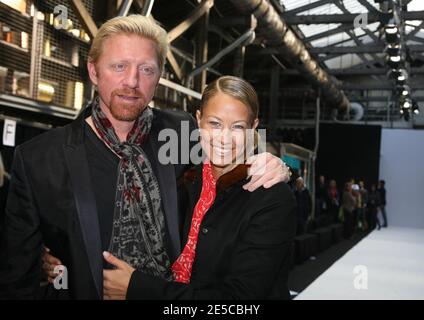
97 184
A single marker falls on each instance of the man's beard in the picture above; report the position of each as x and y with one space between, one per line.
127 110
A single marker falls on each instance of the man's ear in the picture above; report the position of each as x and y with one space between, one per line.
91 67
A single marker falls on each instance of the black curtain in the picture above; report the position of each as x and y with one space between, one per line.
345 151
349 151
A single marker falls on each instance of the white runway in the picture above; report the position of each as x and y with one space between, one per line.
387 264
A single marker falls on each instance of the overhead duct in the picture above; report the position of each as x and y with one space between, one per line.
356 111
277 34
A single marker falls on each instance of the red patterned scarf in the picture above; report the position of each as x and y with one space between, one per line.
183 265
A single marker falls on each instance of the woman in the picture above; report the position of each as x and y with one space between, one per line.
333 196
349 204
374 201
237 244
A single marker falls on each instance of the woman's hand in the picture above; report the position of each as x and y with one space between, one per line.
116 281
266 170
49 264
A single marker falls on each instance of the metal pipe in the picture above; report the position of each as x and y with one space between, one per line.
277 34
125 8
244 39
147 7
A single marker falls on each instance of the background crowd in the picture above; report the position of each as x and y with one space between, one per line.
357 206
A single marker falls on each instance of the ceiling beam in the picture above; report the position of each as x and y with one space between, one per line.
355 71
345 18
388 86
336 50
309 6
125 8
366 48
415 31
84 17
328 33
367 5
340 72
195 15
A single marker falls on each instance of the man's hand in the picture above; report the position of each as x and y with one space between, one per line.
266 170
49 263
116 281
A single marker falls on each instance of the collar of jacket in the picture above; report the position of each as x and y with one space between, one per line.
227 180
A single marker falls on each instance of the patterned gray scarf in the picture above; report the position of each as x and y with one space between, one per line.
138 232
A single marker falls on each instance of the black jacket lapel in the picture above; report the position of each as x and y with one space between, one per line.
76 161
168 187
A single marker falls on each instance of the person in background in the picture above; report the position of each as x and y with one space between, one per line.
333 200
374 201
321 197
382 191
356 219
349 204
304 204
363 208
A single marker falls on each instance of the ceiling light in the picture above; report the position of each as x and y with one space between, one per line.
415 107
395 58
393 49
392 30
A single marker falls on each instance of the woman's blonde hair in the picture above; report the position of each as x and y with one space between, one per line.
132 24
236 88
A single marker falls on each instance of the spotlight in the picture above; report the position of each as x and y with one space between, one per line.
401 80
405 114
391 28
404 90
394 62
394 58
393 74
401 77
392 37
405 102
415 107
393 49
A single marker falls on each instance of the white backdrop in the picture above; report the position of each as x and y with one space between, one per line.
402 167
